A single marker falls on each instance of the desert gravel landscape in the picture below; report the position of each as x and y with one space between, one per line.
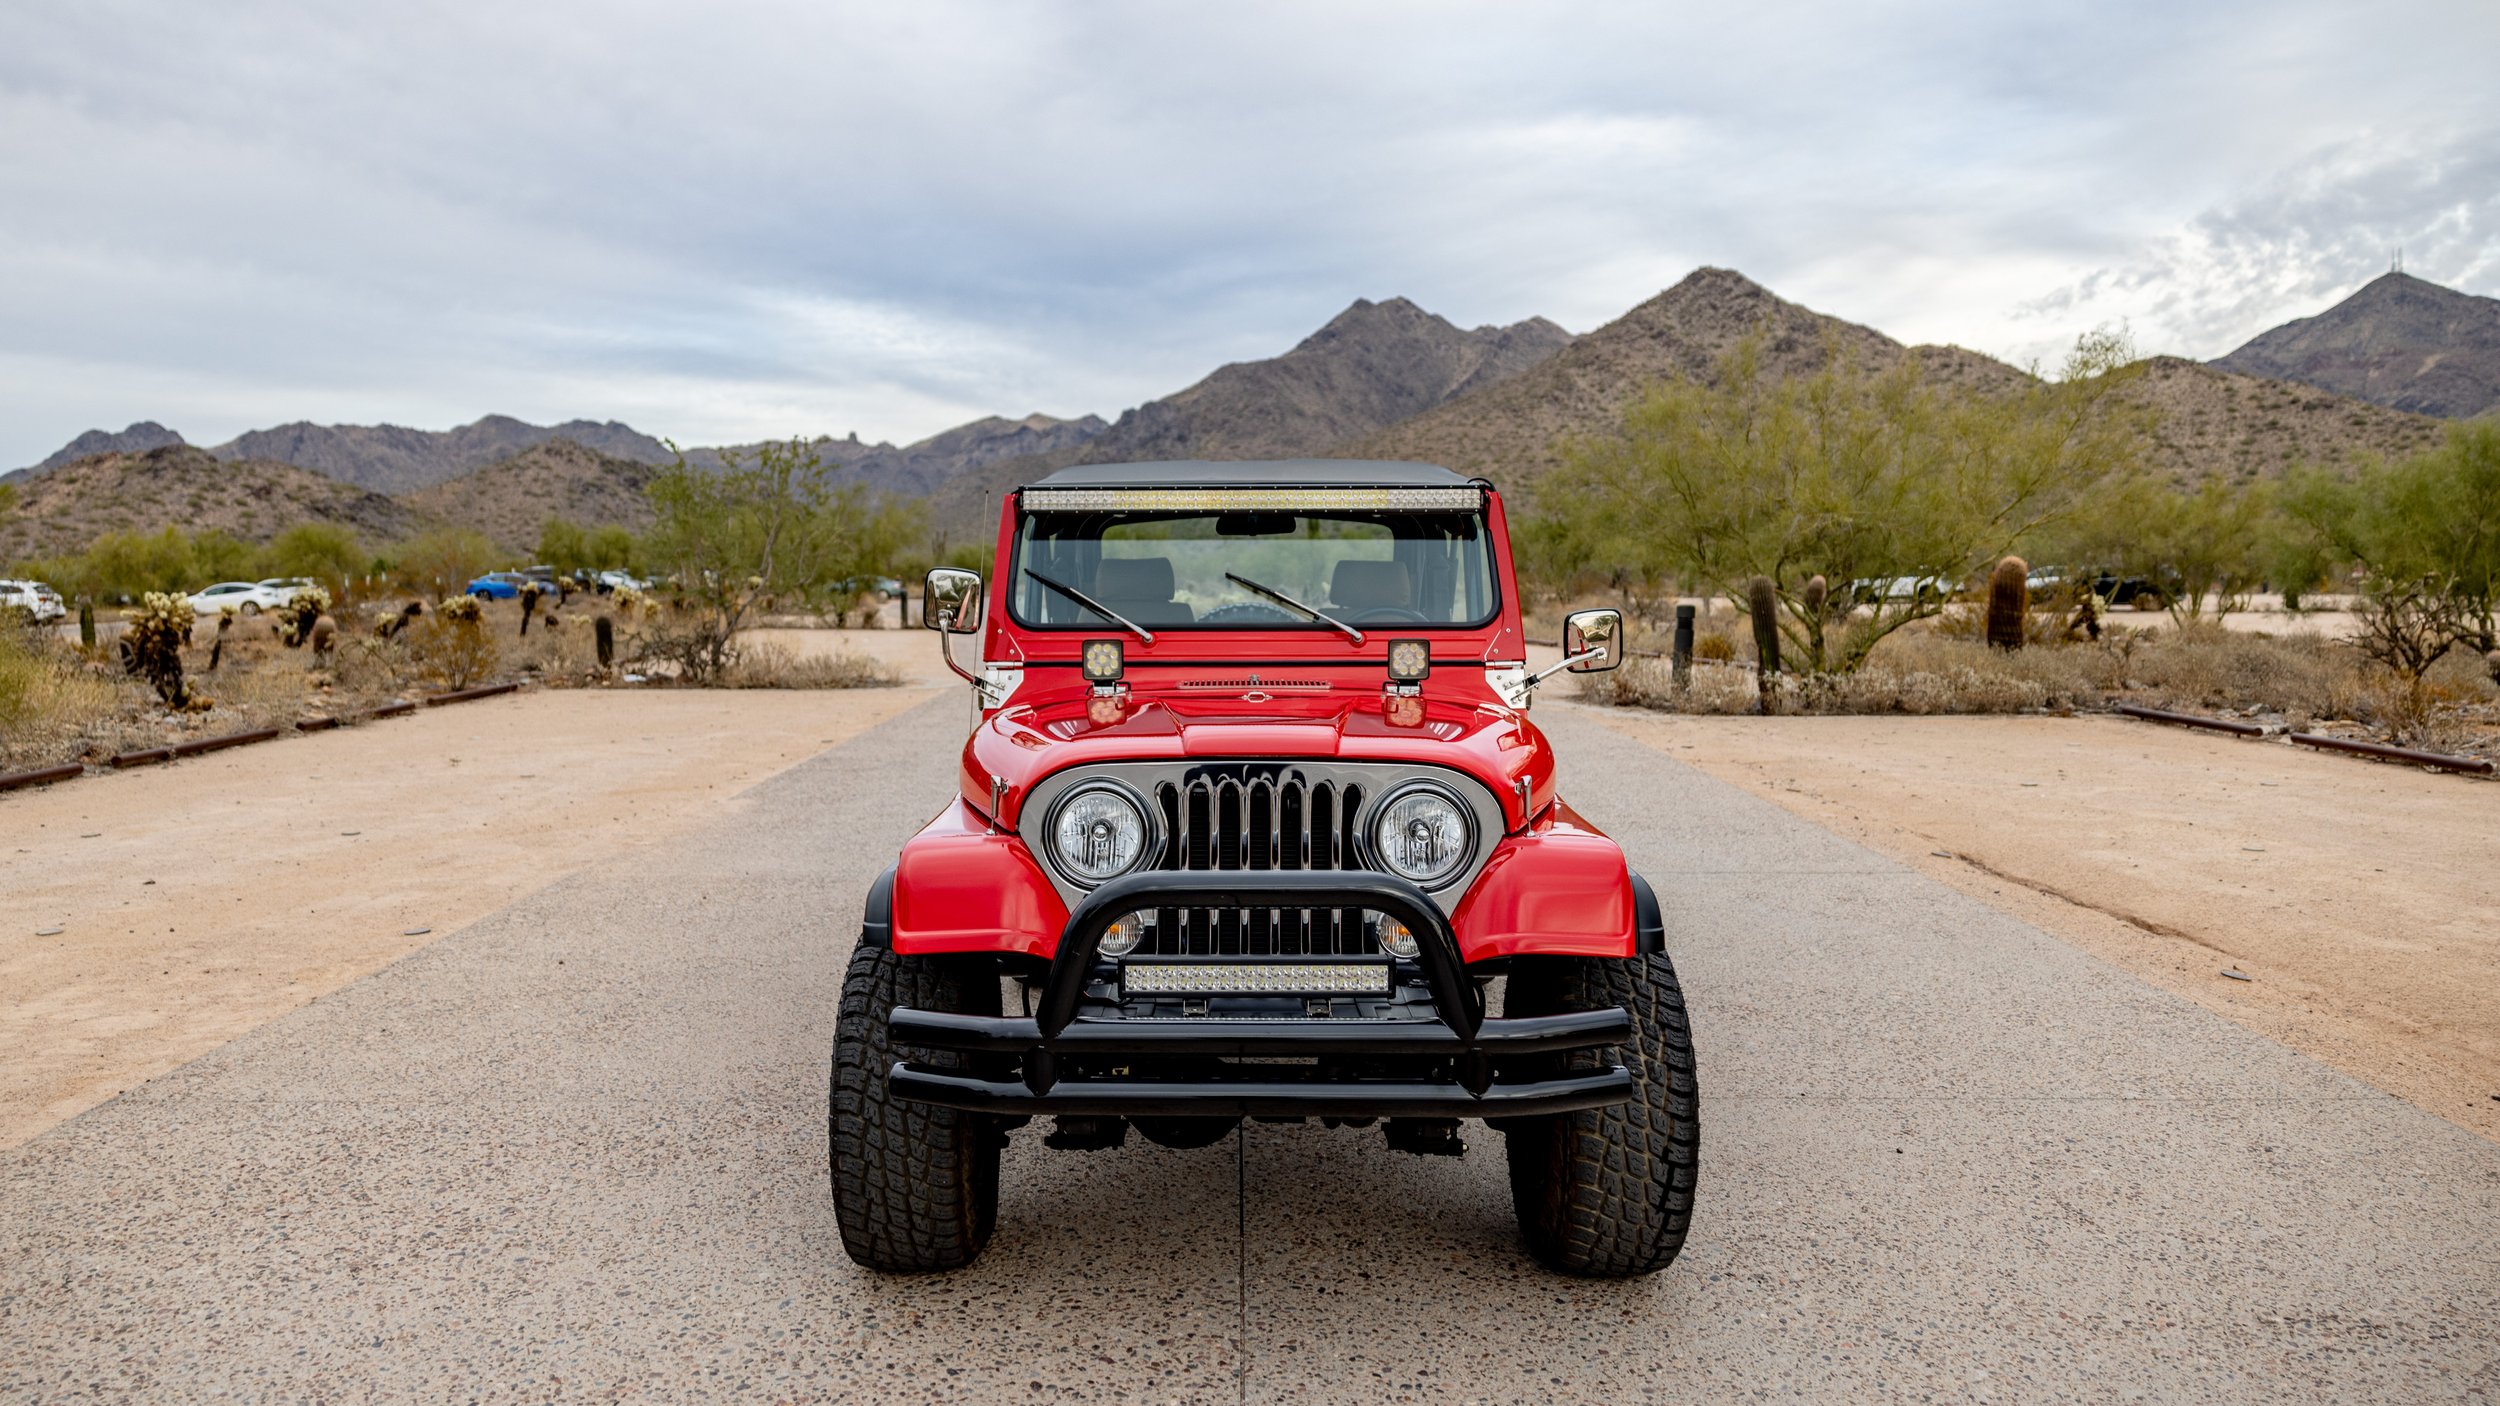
2359 900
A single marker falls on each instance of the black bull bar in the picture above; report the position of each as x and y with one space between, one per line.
1457 1074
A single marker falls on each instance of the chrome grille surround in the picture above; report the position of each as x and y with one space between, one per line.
1259 816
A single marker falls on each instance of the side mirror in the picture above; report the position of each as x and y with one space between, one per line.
951 601
1593 632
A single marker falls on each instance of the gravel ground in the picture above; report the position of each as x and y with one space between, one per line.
575 1151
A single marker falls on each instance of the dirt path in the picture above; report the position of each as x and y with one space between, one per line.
197 901
2362 900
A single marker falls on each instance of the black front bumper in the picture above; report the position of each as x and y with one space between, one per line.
1071 1055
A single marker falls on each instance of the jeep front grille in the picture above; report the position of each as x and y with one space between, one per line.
1253 823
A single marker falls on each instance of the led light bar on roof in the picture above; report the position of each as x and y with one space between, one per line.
1463 498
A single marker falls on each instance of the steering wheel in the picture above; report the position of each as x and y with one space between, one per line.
1246 612
1388 615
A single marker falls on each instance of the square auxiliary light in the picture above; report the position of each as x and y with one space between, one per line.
1104 660
1253 978
1410 661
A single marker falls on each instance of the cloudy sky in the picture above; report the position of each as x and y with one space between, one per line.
730 220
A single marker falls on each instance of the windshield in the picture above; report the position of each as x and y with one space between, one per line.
1170 571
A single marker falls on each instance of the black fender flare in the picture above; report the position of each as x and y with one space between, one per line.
876 920
1649 923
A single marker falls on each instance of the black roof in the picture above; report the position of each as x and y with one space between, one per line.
1256 473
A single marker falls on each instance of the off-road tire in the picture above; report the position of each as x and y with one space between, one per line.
1608 1193
915 1187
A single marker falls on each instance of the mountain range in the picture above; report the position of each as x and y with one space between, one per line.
2375 374
2400 342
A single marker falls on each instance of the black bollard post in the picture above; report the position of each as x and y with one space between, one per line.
604 631
1683 647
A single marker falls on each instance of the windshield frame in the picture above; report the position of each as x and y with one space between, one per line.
1010 582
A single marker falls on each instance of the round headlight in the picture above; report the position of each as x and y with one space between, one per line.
1421 834
1098 833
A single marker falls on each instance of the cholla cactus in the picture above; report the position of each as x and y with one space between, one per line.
152 646
296 617
394 622
529 603
463 609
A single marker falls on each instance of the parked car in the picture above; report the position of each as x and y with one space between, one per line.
241 597
502 585
1892 590
38 602
615 580
288 587
1254 849
880 588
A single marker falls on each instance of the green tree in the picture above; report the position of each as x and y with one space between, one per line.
611 548
326 551
2430 523
564 545
767 525
443 562
2208 545
1854 475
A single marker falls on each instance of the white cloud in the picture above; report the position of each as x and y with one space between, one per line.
753 218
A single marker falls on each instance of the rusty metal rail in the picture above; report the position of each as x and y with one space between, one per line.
2156 715
433 700
2475 766
41 776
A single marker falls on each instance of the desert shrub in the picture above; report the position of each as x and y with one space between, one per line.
1714 648
51 700
452 644
776 666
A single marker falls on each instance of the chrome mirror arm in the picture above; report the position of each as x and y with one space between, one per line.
946 648
1550 670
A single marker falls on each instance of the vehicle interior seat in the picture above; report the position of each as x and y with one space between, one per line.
1371 585
1141 589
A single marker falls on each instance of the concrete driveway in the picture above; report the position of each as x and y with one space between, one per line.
576 1151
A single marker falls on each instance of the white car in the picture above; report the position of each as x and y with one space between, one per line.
41 603
288 587
241 597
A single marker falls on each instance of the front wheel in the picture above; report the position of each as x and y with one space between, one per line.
1608 1193
915 1187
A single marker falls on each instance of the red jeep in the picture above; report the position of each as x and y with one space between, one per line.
1253 824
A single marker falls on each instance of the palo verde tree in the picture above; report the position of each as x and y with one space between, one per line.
768 525
1857 475
2420 530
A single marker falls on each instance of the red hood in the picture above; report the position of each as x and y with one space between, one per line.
1456 723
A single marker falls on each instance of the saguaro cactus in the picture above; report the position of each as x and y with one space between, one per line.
2009 602
603 633
1762 601
86 624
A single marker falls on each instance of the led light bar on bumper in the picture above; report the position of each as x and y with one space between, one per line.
1253 978
1218 500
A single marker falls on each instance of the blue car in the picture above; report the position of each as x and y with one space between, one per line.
500 585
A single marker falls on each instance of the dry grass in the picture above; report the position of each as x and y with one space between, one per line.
766 665
2300 681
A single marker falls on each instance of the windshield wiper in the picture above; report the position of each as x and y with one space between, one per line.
1106 612
1282 599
